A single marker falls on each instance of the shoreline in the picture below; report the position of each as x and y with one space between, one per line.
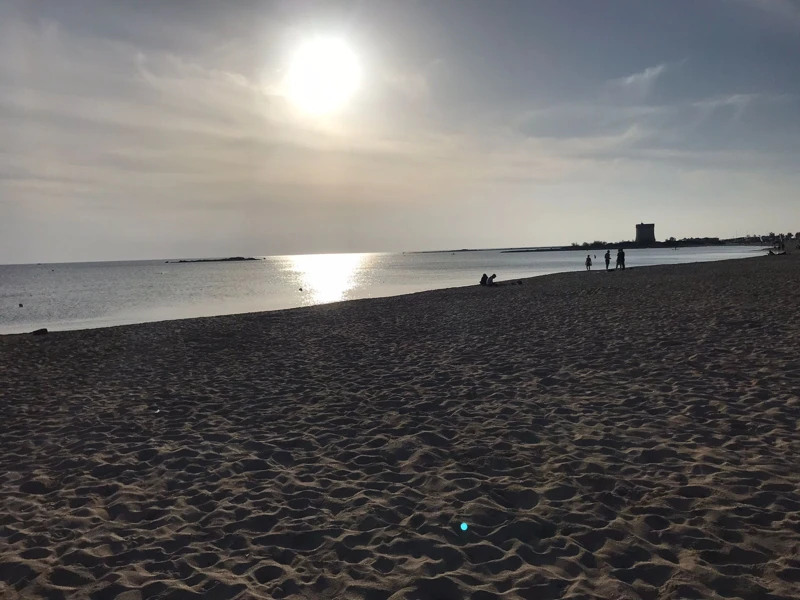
500 284
602 436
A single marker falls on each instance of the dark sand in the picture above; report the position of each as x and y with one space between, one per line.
626 435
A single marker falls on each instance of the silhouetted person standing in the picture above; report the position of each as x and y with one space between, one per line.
621 259
588 262
608 258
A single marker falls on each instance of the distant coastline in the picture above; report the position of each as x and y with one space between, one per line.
207 260
686 243
462 250
691 243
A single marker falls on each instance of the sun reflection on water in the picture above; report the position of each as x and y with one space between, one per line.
327 277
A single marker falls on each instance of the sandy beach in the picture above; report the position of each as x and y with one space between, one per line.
625 435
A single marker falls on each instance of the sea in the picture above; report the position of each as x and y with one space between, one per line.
64 296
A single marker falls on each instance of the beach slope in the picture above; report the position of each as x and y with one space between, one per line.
603 435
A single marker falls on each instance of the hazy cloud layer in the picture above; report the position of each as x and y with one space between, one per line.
160 130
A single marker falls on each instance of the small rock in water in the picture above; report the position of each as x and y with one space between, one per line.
41 331
20 304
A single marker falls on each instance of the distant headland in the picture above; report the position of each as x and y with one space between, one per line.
205 260
645 238
599 245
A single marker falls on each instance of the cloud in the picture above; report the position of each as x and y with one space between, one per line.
90 117
738 104
614 111
589 119
636 87
586 139
116 136
736 100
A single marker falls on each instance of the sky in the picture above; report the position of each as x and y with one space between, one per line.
134 130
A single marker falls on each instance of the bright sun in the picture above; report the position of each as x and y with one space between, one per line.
323 75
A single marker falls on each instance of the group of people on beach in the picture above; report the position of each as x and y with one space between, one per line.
489 280
620 260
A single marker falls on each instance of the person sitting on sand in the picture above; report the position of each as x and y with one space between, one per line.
588 262
484 279
608 258
491 280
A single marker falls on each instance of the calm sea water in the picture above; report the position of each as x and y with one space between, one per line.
84 295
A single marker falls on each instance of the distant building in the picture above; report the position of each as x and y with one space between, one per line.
645 234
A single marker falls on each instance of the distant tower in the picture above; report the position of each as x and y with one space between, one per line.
645 234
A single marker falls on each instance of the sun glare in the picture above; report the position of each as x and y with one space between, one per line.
323 75
328 277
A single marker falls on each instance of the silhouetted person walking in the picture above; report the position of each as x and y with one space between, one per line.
588 262
608 258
